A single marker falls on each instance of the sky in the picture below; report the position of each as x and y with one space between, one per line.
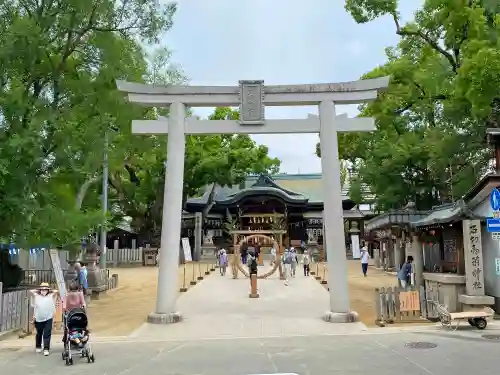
220 42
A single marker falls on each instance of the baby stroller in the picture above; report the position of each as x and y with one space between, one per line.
75 325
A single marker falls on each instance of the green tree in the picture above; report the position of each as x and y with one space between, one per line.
215 160
137 163
430 141
59 61
228 159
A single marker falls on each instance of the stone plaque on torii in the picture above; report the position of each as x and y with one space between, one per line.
251 97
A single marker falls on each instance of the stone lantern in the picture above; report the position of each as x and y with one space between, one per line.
95 278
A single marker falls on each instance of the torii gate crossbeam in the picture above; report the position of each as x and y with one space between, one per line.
251 96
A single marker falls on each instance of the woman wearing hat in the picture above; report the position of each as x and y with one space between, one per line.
44 304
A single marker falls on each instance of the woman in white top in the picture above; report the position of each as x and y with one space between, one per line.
44 303
273 256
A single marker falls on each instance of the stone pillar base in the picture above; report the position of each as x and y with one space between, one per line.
95 295
333 317
253 295
158 318
182 290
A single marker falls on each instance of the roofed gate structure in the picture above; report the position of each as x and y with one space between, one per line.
251 97
299 198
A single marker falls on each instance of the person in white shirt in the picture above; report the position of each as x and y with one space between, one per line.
295 260
306 261
44 303
365 256
273 256
286 260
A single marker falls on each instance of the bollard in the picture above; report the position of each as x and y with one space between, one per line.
183 288
314 272
207 272
254 292
193 281
212 267
324 274
317 277
200 277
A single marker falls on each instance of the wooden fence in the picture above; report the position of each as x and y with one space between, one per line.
118 257
37 259
15 312
397 305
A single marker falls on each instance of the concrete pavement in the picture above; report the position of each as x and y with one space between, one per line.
364 353
227 333
220 308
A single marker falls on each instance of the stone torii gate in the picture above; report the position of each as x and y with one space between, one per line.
251 97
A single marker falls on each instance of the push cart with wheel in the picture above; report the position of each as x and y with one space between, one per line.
452 320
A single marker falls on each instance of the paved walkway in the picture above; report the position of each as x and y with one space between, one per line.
220 308
382 354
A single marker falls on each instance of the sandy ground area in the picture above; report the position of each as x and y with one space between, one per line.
361 289
121 311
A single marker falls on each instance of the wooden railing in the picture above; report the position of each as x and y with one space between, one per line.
397 305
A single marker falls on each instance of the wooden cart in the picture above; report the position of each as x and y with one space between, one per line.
475 318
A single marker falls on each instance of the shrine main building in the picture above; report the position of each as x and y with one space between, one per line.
289 203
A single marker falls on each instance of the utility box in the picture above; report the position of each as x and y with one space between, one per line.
150 257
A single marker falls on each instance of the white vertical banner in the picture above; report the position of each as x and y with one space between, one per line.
56 266
186 247
356 252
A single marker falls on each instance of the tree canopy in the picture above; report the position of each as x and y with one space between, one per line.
430 144
58 100
59 61
210 161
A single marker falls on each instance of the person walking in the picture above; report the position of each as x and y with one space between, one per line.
82 280
82 277
287 265
74 300
365 257
222 262
404 273
44 304
306 261
295 260
273 256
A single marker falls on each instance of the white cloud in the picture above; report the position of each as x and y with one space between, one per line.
222 41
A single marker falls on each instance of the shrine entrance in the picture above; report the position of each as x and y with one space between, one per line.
263 238
252 96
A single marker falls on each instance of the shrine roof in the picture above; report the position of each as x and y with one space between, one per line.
394 218
464 208
294 188
446 213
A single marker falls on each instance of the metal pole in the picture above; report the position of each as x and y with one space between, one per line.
102 260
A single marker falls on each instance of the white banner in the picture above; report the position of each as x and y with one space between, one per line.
186 247
56 266
356 252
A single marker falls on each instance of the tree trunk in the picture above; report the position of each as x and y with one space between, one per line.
83 191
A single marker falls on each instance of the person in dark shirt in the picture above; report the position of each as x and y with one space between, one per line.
404 274
252 263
